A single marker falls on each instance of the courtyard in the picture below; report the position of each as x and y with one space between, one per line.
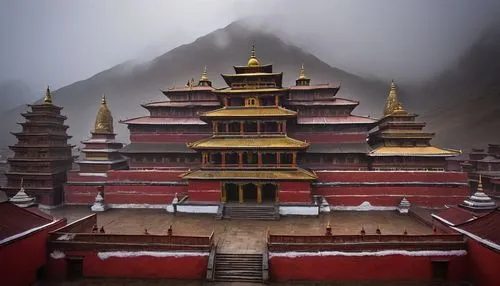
244 236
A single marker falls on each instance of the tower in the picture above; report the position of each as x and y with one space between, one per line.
42 154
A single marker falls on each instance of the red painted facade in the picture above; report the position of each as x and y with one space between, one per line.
483 264
365 268
23 257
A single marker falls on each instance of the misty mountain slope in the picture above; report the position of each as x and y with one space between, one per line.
464 103
14 93
128 85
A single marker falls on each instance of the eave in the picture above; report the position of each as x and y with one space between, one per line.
296 174
277 142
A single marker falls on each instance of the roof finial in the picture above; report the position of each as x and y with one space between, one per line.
22 182
103 101
104 119
302 74
253 61
204 75
480 184
48 96
392 104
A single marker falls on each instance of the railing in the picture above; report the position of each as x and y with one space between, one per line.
364 242
249 166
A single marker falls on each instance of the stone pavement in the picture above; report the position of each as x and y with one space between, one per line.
244 236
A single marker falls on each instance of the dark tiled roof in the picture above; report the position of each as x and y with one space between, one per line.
157 148
339 148
485 229
453 216
15 220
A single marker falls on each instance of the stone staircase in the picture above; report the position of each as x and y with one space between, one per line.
248 211
238 267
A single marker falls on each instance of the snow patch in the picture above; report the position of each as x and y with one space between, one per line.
56 254
199 209
136 206
127 254
67 236
93 174
299 210
365 206
294 254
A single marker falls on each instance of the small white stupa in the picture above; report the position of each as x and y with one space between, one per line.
22 199
404 206
479 201
99 205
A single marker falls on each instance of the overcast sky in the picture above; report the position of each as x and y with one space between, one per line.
58 42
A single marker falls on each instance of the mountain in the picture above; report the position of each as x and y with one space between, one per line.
464 102
129 84
14 93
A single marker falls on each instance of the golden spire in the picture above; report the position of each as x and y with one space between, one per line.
480 184
204 76
392 104
253 61
302 74
103 120
48 97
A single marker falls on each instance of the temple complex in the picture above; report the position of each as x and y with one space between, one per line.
42 155
259 142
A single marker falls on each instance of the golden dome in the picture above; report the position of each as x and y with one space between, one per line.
103 120
48 97
253 61
392 104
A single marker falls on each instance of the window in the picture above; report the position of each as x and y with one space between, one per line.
440 269
251 101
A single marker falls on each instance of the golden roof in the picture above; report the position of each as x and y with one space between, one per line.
295 174
103 120
253 61
413 151
229 90
281 142
262 111
48 97
392 105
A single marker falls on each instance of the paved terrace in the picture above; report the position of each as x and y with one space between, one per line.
244 236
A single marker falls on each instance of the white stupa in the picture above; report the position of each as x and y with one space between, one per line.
404 206
479 201
99 205
22 199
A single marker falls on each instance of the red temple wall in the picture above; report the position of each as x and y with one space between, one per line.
182 267
141 194
364 268
397 176
145 175
483 264
23 257
80 194
205 191
295 192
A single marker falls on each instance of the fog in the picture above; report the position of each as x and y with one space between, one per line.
58 42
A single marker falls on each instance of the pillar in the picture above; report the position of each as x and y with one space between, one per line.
216 126
294 158
223 193
240 159
276 100
259 194
283 126
223 159
278 125
277 198
225 101
240 194
258 126
241 127
259 159
278 159
227 127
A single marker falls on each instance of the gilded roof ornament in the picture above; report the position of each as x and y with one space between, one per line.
253 61
48 97
103 120
480 184
392 104
302 74
204 75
